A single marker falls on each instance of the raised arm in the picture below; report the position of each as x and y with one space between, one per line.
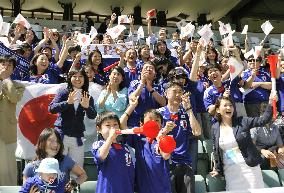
112 18
195 64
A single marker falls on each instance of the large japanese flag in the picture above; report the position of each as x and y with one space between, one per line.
235 67
33 116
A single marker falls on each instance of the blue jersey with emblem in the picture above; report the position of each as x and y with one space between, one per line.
43 187
181 134
130 75
146 101
116 172
151 170
259 94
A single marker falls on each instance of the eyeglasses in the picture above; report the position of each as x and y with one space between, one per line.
253 60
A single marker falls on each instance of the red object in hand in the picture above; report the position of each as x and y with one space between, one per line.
110 66
151 13
272 60
167 144
150 129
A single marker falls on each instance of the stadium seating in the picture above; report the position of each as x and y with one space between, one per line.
200 185
215 184
88 187
90 167
270 179
281 176
9 189
202 163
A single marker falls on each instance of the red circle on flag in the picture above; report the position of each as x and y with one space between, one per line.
35 117
232 69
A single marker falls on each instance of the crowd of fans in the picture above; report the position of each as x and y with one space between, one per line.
190 94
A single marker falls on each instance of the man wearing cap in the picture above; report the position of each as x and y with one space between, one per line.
46 180
10 93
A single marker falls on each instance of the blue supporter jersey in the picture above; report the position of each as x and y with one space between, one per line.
130 75
101 79
50 76
152 171
259 94
146 101
181 133
65 167
116 172
280 89
55 187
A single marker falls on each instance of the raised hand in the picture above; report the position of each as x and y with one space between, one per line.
133 101
185 100
72 97
34 189
85 101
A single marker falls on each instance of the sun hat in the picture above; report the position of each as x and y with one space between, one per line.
49 165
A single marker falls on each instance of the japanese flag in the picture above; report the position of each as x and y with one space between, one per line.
187 30
224 29
21 20
249 53
257 51
116 31
33 116
123 19
228 41
245 30
140 33
181 23
83 39
235 67
206 33
267 27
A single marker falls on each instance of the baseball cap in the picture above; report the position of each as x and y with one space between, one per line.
49 166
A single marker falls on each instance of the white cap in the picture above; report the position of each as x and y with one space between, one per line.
48 165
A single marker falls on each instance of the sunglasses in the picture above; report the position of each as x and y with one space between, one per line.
253 60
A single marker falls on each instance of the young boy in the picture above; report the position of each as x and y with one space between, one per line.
46 180
151 166
179 111
115 166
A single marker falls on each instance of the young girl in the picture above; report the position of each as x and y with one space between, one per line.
71 104
115 166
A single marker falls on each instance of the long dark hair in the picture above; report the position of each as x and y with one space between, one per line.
140 49
217 105
120 71
73 71
216 55
33 66
100 66
156 51
41 144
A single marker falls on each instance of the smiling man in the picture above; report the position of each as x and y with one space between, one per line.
10 93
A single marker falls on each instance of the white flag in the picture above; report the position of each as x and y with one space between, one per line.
21 20
228 41
83 39
181 23
93 32
1 21
282 40
123 19
257 51
140 33
266 27
187 30
249 53
5 29
245 30
206 33
224 29
116 31
235 67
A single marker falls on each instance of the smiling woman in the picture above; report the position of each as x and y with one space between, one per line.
50 145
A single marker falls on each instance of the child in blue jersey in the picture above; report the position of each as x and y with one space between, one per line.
152 172
115 166
179 111
46 180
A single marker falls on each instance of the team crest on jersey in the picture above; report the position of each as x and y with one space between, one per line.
183 124
128 159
